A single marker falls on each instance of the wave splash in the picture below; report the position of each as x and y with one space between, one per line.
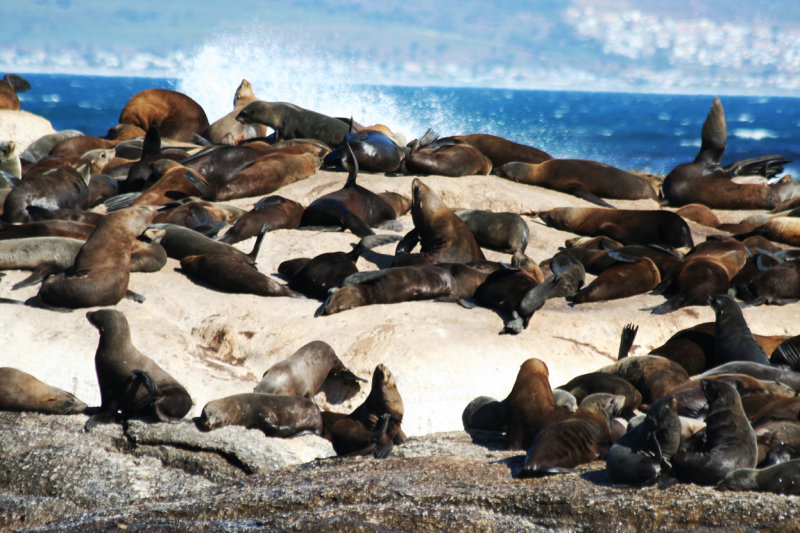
286 70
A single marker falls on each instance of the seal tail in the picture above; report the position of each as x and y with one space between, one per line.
368 242
259 239
626 340
765 165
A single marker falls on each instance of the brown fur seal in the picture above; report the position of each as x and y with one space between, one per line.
52 189
20 391
516 295
176 115
170 184
10 85
593 382
733 340
703 181
275 415
180 241
726 444
585 179
304 372
639 456
504 232
655 377
228 125
628 226
293 122
130 382
374 426
232 273
198 214
629 277
374 151
443 237
267 174
46 228
501 151
353 207
782 478
102 268
583 438
445 157
530 405
276 212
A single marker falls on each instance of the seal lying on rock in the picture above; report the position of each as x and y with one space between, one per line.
275 415
20 391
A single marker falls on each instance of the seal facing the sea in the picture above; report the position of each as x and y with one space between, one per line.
130 382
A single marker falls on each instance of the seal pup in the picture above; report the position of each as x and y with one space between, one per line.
176 115
585 384
293 122
530 405
640 455
783 478
275 415
9 162
10 85
628 226
733 340
582 438
130 382
20 391
442 235
589 180
102 267
484 413
727 443
304 372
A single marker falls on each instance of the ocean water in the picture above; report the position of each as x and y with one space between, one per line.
648 132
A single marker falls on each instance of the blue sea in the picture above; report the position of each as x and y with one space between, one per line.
648 132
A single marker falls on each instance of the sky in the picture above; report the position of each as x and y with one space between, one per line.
670 46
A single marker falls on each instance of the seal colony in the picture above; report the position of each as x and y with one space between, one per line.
382 338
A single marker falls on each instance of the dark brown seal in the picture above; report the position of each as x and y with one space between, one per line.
102 268
130 382
10 85
516 295
628 226
655 377
590 180
783 478
531 405
593 382
304 372
442 235
630 276
20 391
733 340
267 174
727 443
52 189
501 151
176 115
504 232
374 151
375 425
233 273
276 212
275 415
293 122
445 157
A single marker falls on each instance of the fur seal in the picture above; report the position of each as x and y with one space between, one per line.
501 151
442 235
374 152
293 122
504 232
516 295
197 214
228 125
530 405
727 443
20 391
41 147
275 415
629 277
583 438
130 382
593 382
782 478
639 456
628 226
705 182
733 340
233 273
176 115
268 174
10 85
768 279
585 179
180 241
276 212
353 207
757 370
52 189
485 414
445 157
304 372
375 425
102 267
654 376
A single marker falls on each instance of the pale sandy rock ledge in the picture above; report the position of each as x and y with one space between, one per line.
441 354
22 127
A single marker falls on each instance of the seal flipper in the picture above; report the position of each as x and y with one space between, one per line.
626 340
120 201
253 255
535 298
38 274
787 352
580 190
135 296
202 186
407 243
